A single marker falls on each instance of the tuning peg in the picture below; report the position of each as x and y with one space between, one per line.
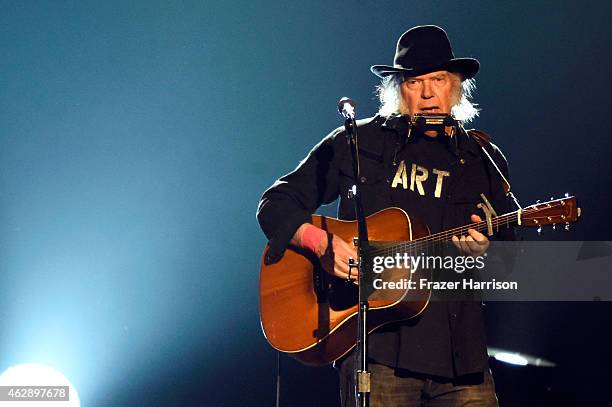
538 201
567 195
539 230
554 226
567 226
552 198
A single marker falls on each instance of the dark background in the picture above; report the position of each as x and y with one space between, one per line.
135 141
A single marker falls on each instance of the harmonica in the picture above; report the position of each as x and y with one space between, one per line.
440 123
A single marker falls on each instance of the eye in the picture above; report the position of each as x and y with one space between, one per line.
411 83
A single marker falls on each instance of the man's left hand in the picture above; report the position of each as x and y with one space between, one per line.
474 243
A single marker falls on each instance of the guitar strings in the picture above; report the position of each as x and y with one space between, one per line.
445 235
425 241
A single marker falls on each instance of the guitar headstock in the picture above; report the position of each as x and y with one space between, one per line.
563 210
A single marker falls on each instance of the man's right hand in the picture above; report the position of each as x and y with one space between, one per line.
315 239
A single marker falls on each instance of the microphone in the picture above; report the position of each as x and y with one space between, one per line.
346 107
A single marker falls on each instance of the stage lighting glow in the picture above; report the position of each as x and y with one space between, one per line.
36 374
511 358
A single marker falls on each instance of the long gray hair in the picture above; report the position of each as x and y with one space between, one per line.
463 108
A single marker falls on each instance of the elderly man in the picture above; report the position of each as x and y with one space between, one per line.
439 357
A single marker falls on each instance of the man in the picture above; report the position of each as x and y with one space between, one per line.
439 357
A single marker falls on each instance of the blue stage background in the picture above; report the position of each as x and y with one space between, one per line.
136 138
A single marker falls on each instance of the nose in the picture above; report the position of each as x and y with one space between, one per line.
426 91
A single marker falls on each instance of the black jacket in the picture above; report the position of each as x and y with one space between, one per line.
448 338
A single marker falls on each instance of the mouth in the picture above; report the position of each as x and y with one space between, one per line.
431 109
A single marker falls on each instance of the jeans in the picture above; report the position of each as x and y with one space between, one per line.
398 387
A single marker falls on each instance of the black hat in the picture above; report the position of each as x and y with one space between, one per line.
424 49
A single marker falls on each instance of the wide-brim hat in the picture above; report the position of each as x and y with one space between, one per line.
425 49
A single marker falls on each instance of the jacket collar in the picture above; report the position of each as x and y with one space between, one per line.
397 123
466 143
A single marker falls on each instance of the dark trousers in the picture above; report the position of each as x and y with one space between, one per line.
398 387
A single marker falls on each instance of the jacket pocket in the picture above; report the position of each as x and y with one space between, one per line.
375 190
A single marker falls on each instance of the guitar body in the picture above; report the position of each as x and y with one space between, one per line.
312 315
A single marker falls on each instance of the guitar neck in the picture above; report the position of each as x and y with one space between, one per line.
497 222
441 238
551 212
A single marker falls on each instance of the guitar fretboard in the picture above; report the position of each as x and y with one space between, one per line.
434 240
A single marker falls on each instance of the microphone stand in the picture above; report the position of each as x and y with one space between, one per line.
361 374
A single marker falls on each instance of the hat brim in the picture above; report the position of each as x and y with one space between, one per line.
468 67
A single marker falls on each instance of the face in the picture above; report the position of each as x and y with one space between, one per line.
429 93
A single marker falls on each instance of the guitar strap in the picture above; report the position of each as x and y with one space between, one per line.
484 141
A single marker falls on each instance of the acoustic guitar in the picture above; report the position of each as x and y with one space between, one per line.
311 315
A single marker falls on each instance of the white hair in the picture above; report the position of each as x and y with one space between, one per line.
463 109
